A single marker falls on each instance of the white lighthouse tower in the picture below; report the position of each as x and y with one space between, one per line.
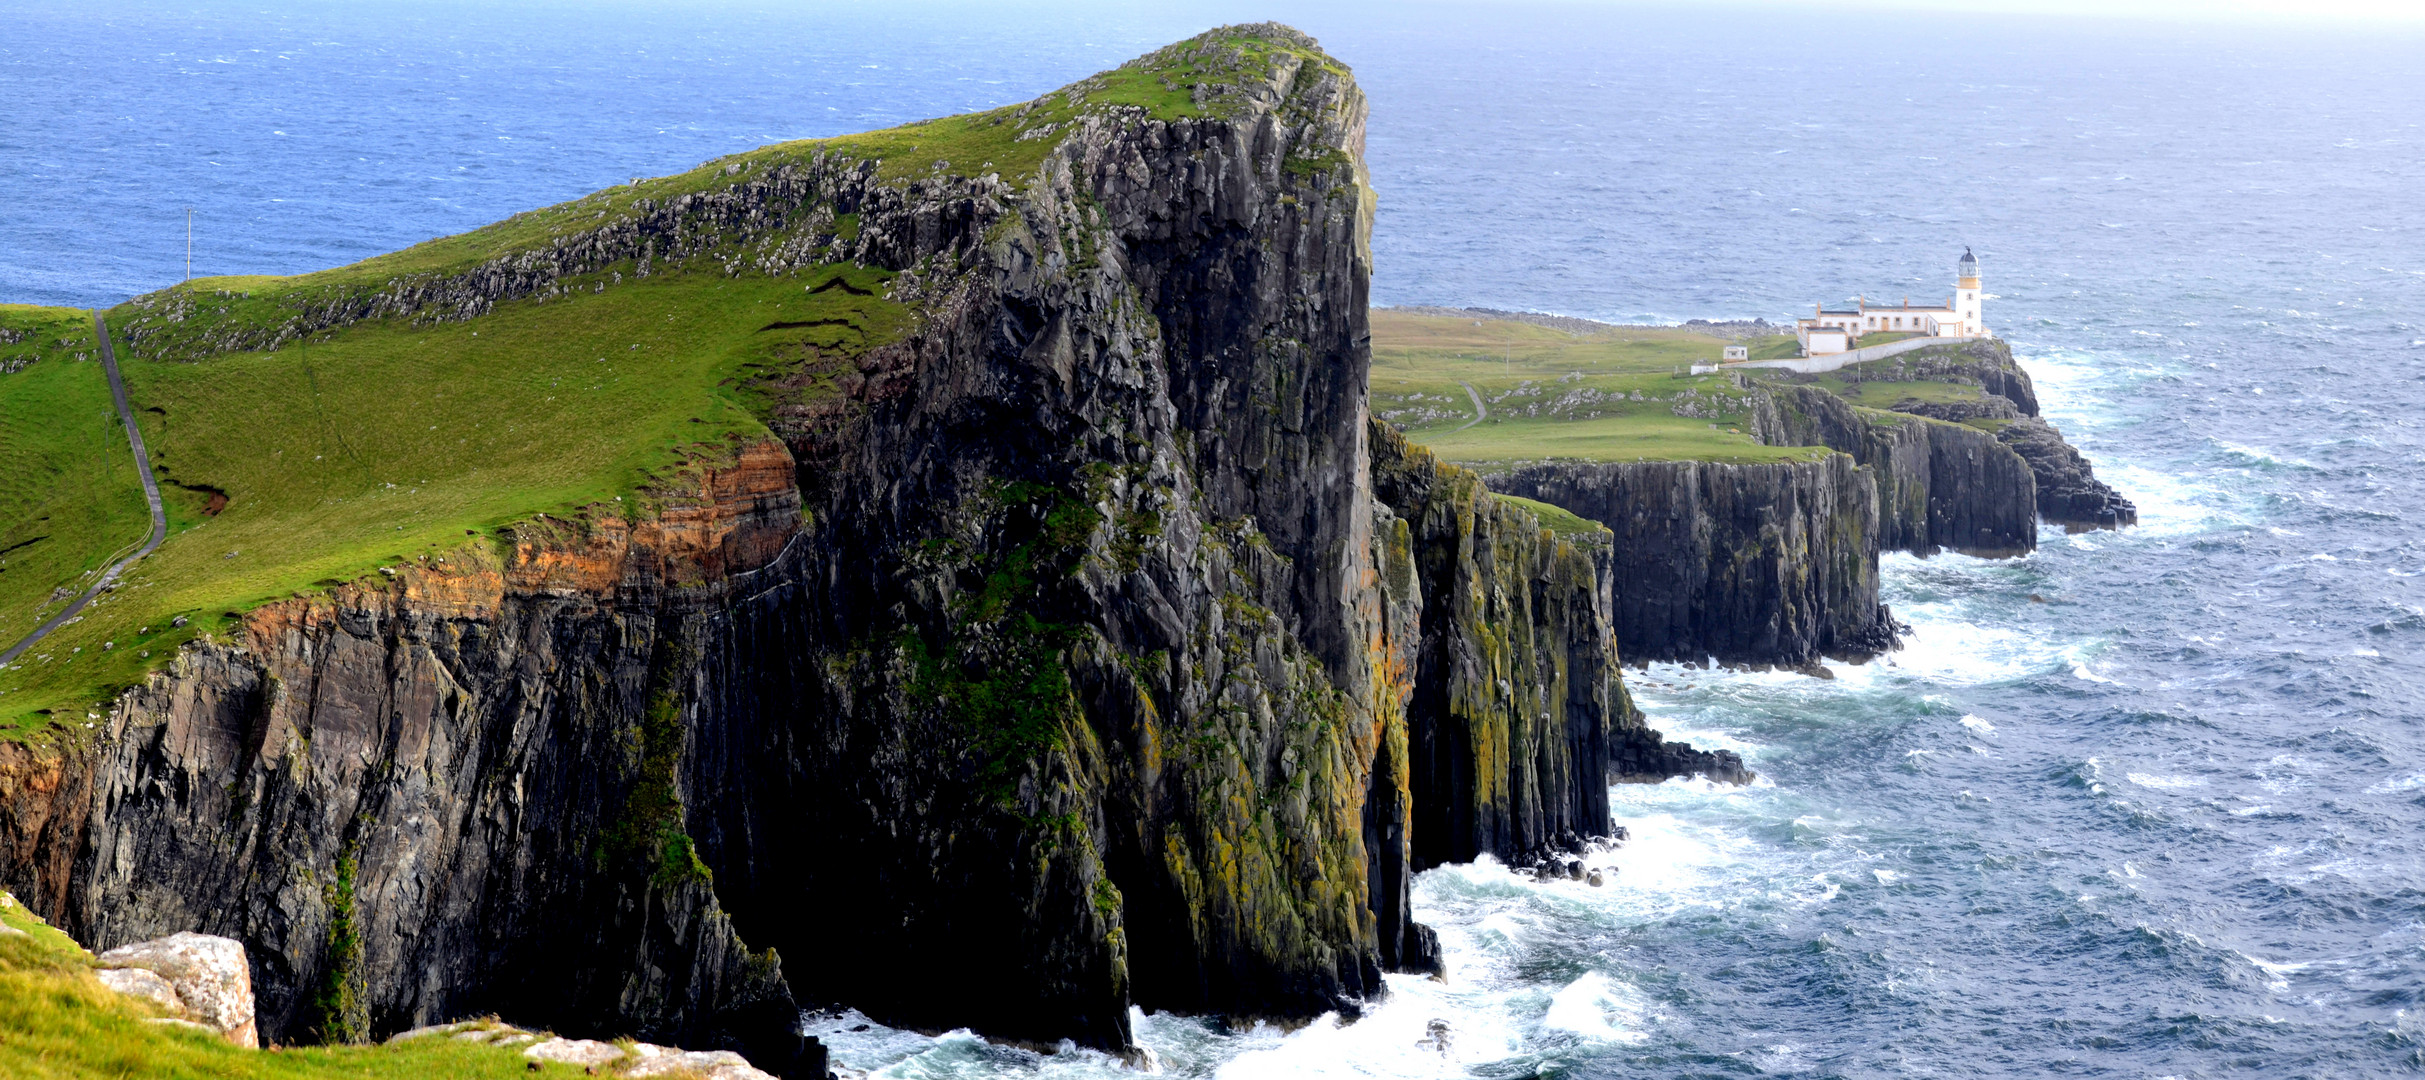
1966 296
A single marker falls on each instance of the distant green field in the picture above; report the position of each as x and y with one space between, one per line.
70 501
1612 395
1881 395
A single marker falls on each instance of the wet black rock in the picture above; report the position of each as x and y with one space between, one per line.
2069 492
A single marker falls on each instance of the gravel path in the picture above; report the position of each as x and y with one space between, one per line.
151 494
1480 413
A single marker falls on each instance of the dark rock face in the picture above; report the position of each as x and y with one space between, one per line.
471 772
2069 492
1068 650
1940 485
1777 564
1750 564
1511 709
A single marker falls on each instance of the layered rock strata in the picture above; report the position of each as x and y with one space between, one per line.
1940 485
1750 564
1516 682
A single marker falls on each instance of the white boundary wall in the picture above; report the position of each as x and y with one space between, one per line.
1819 365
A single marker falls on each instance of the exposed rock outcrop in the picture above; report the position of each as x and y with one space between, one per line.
1511 706
1777 564
1516 671
195 976
1067 649
1750 564
626 1058
1940 485
2069 492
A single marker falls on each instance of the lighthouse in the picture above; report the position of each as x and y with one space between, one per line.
1966 295
1834 330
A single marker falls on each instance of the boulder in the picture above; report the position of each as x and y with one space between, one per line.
207 978
143 983
647 1059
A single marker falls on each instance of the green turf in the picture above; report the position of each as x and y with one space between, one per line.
1777 347
381 441
1557 519
1882 394
393 441
1611 395
57 1022
70 501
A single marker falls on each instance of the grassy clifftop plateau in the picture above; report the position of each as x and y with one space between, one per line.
311 430
1614 393
1547 393
69 499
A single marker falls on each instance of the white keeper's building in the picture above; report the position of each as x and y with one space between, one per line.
1835 331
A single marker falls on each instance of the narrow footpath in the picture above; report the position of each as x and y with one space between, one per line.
151 494
1480 413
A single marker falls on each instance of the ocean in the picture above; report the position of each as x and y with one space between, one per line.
2143 804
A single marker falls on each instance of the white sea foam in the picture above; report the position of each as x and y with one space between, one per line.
2276 975
2394 787
1976 724
1593 1007
2164 783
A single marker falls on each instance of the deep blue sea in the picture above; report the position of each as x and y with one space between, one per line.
2144 804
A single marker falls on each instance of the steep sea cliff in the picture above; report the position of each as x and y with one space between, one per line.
1778 563
1086 641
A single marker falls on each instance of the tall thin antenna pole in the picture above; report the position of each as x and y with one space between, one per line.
189 243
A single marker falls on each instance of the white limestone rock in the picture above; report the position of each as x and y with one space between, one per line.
209 976
651 1060
143 983
584 1052
647 1059
640 1060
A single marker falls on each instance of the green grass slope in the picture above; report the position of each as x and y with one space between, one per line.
1622 393
70 501
60 1023
303 442
1557 519
1613 395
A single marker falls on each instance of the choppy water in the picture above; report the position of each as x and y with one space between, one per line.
2144 804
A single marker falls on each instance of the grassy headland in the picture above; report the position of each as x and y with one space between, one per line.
1610 393
296 459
